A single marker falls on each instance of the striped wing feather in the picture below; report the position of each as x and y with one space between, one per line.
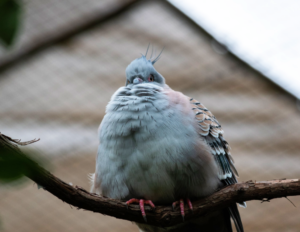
211 130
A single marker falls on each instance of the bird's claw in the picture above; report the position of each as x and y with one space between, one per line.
181 204
141 202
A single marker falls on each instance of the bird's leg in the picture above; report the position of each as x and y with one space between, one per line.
181 204
190 204
141 202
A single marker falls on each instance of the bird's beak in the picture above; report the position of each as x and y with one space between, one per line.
137 80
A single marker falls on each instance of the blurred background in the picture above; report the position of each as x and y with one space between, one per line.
69 56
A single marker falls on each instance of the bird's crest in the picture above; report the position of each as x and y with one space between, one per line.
154 60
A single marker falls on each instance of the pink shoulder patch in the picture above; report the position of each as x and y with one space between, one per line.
179 100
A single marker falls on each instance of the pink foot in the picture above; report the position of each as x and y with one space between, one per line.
181 204
141 202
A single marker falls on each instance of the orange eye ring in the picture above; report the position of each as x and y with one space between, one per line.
150 78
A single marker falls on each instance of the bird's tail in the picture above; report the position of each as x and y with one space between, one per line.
212 222
235 215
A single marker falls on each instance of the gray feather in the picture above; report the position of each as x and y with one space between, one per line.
151 148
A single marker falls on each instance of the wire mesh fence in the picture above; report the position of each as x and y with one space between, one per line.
59 95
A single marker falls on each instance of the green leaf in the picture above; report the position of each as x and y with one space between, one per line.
11 165
10 11
15 164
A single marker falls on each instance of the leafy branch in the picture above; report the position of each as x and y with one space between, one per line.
162 216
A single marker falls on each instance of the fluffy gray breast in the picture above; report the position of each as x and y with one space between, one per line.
146 116
149 144
140 109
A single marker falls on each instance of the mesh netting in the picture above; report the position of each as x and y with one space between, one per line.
59 95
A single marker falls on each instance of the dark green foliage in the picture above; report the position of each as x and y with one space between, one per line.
10 11
11 165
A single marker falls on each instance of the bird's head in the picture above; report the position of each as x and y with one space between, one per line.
141 70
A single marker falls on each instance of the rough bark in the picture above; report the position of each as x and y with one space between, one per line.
163 215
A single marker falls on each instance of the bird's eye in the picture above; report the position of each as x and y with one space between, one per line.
150 78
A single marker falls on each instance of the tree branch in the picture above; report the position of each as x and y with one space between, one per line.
162 216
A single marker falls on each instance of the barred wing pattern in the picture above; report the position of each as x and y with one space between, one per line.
211 130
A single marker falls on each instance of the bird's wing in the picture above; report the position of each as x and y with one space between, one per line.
211 130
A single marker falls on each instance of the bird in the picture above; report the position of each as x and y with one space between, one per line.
158 146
